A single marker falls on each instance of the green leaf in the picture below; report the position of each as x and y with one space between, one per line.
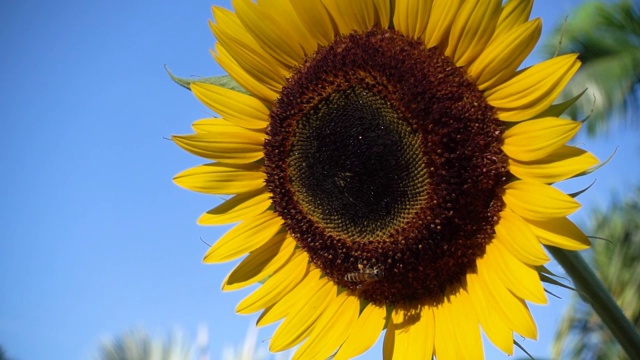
523 349
578 193
224 81
589 171
556 110
544 270
549 280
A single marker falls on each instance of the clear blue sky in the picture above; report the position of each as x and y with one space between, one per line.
95 237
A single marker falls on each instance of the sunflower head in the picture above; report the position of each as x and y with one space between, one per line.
394 162
390 167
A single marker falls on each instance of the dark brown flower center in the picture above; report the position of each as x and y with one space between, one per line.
357 166
384 162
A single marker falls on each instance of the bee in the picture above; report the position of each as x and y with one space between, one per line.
365 275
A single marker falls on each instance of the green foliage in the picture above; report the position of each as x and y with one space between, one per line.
582 335
224 81
607 37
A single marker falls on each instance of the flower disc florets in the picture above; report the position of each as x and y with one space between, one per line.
382 154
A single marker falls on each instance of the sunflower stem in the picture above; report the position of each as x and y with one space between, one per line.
594 292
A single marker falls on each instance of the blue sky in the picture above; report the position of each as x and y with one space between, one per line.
95 237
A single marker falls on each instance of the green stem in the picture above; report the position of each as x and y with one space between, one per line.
593 291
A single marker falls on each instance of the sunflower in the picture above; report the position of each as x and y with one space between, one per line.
389 168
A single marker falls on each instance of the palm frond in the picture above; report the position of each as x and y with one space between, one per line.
607 37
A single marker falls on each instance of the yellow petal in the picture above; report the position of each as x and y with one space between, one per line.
232 147
242 206
487 311
210 125
472 29
291 24
440 20
237 108
522 279
213 125
358 15
260 90
517 237
313 15
535 139
296 298
261 263
457 332
532 90
536 201
298 325
331 329
560 232
410 334
245 50
278 41
561 164
365 332
512 309
340 13
220 178
244 237
467 324
411 17
446 346
509 308
504 54
383 13
277 286
514 13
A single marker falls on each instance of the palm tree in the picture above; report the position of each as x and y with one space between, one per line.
607 36
581 334
138 345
